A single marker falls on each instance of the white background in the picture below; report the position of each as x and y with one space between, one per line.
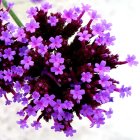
125 122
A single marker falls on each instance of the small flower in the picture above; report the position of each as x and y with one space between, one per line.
46 6
31 111
35 42
69 15
35 95
131 60
42 49
8 53
7 75
22 123
84 36
101 68
125 91
32 12
58 69
27 62
36 124
69 132
52 20
86 77
55 42
32 26
56 59
77 92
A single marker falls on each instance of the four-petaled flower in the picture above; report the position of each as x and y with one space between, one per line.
52 20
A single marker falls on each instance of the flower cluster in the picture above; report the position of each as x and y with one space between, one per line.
57 67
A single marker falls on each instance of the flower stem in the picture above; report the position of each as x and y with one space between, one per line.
13 15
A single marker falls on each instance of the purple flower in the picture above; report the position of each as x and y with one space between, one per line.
32 26
101 68
131 60
35 95
48 100
11 28
104 80
42 49
8 53
31 111
102 97
4 15
86 110
69 15
109 113
6 36
58 106
94 15
32 12
27 62
69 131
21 113
56 59
97 29
52 20
22 123
84 36
26 88
86 77
107 26
57 126
86 7
125 91
58 69
77 92
23 51
7 75
46 6
20 35
35 42
36 125
55 42
68 105
39 105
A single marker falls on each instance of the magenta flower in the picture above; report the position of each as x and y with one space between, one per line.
35 42
27 62
52 20
86 77
36 124
55 42
32 26
8 53
131 60
58 69
56 59
69 15
84 36
77 92
101 68
7 75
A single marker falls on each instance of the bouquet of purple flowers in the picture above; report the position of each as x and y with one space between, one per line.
57 67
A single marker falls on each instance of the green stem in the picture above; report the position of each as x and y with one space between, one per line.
13 15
